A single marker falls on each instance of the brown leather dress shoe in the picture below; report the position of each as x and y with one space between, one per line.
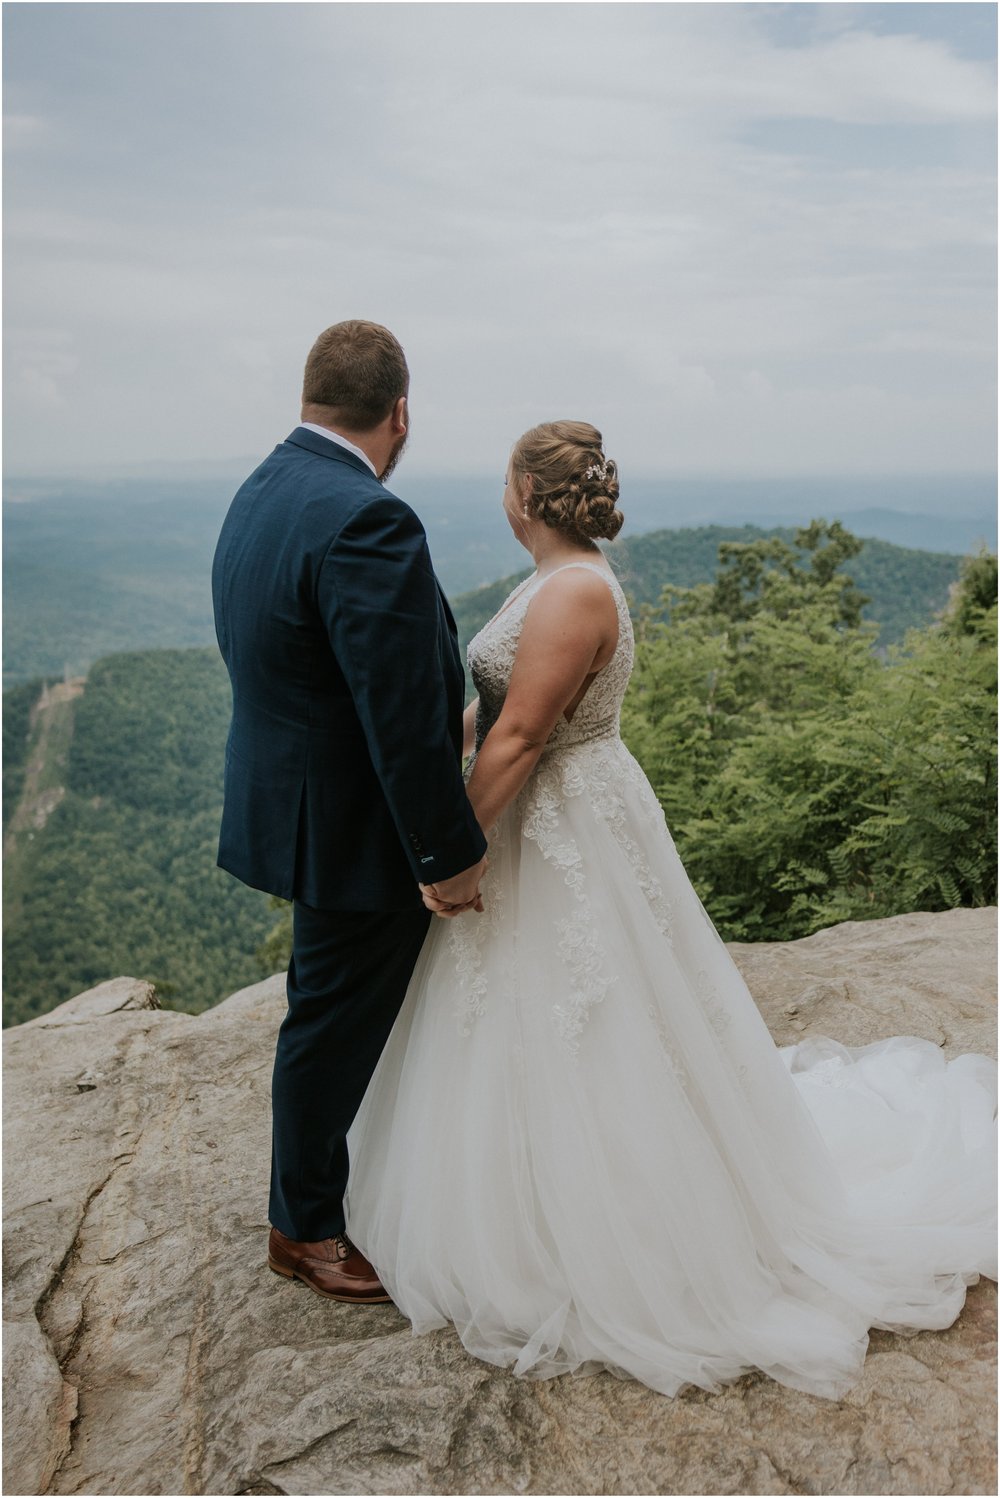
332 1267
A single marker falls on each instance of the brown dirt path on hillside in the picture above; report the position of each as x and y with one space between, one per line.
51 729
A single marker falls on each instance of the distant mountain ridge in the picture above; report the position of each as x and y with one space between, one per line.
97 569
952 535
906 587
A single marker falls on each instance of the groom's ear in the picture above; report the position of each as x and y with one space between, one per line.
400 416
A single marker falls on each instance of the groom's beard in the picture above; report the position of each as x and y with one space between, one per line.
394 457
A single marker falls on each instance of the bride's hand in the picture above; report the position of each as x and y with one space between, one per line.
443 908
460 892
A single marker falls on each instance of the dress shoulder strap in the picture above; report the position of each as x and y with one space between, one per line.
604 572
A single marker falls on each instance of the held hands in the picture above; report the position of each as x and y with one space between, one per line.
460 893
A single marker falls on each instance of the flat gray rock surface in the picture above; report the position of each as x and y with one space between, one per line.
149 1350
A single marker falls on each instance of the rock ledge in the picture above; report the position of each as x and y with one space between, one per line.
149 1351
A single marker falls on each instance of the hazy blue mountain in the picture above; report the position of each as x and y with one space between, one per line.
956 536
102 568
96 567
953 513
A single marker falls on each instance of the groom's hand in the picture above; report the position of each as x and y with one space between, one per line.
450 897
438 907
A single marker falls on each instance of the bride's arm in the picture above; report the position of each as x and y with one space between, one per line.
569 631
469 729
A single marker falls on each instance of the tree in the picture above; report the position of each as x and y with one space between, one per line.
973 595
806 782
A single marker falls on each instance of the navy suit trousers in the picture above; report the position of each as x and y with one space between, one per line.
346 983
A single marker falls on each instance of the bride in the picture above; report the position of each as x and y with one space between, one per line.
581 1146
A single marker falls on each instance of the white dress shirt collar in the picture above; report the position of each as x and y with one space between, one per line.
311 426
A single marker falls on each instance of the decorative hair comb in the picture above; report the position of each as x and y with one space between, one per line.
597 471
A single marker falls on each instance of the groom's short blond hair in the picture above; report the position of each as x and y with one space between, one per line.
357 370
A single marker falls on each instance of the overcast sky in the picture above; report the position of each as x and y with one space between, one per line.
740 238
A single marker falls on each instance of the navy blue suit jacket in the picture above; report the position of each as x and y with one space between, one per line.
343 782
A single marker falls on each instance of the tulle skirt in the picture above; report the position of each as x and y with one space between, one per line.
582 1148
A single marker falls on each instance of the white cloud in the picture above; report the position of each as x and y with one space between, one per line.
612 210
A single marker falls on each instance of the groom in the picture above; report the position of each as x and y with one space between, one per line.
343 778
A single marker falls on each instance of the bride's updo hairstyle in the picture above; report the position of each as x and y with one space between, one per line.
574 487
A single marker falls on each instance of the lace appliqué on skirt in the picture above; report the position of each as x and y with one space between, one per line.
561 775
467 936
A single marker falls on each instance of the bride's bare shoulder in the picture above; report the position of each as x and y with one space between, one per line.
576 596
577 584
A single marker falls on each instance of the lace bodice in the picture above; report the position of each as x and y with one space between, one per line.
491 660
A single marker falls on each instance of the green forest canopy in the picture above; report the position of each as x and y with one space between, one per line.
805 779
122 878
807 782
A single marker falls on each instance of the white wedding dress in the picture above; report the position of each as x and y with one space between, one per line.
583 1149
